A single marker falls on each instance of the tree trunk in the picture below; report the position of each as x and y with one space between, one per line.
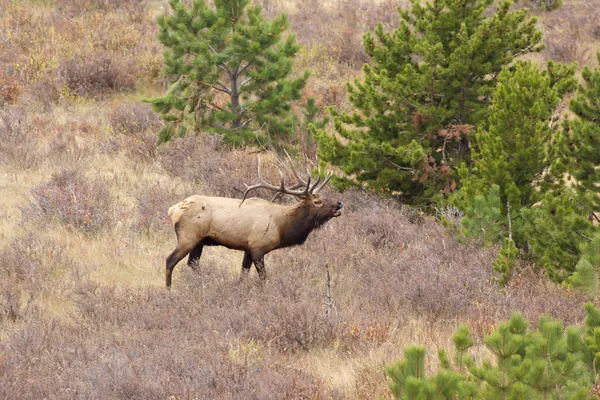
235 101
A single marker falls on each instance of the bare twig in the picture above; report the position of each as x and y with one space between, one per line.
331 308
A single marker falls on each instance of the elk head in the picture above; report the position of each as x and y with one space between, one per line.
320 209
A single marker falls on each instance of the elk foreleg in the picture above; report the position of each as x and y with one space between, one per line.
194 256
246 264
176 256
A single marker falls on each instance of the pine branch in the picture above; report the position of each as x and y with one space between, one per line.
243 83
246 66
593 214
223 89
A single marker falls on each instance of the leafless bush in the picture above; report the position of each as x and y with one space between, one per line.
569 49
132 117
153 201
344 38
98 73
202 159
72 198
17 145
69 149
152 344
137 124
571 32
43 94
10 89
25 265
78 7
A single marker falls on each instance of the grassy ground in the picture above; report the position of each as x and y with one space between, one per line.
84 233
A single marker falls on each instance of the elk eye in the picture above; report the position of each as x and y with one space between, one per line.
318 203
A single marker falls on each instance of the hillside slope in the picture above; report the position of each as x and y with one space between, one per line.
84 235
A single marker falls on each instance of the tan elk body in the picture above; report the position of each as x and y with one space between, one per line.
255 226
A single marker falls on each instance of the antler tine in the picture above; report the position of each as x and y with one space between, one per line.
261 184
281 189
312 188
294 169
293 187
324 183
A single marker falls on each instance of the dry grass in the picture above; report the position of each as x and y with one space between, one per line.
572 32
84 234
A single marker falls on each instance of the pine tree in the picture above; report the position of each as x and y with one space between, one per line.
408 380
228 70
512 150
309 123
427 83
592 335
556 359
549 362
555 230
505 261
587 271
583 139
483 218
563 224
506 376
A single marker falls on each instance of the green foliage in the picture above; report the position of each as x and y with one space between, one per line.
505 261
559 229
408 380
544 363
582 142
512 151
548 5
555 231
228 70
592 334
482 220
587 271
462 343
427 83
308 124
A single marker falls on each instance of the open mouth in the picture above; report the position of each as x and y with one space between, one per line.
338 211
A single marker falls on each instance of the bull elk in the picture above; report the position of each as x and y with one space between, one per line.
255 226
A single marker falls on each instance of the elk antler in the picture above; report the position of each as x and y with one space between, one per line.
315 188
294 190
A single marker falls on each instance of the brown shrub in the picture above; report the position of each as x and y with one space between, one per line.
73 8
152 344
17 145
571 32
43 94
98 73
10 89
312 22
72 142
202 159
74 199
26 264
138 125
152 202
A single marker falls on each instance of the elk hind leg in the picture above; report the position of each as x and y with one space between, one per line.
246 264
194 256
176 256
259 263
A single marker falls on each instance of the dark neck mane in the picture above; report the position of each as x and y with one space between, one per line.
299 225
